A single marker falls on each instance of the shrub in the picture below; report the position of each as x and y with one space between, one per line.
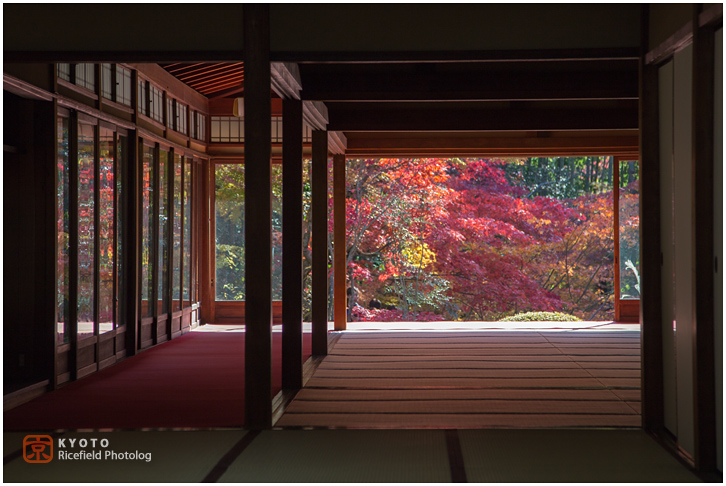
385 315
541 316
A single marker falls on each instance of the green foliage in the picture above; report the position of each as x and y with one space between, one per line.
560 177
541 316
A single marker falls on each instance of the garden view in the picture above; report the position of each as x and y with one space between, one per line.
461 239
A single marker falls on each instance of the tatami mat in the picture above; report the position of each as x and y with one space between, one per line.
365 456
360 456
568 456
175 456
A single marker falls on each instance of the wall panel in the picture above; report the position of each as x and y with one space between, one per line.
718 240
665 123
683 226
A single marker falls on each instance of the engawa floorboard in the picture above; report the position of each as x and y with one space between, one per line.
473 379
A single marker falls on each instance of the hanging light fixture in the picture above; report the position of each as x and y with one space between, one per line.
238 109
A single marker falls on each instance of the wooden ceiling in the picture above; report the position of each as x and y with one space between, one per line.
213 80
547 104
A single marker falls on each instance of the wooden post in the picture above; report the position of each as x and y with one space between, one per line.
704 383
292 233
319 203
339 256
258 213
616 235
132 241
650 245
72 326
205 238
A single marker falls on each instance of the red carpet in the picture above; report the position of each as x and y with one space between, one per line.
196 380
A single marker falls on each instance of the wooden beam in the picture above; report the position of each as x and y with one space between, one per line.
292 246
258 213
319 203
711 15
704 382
337 142
286 80
315 114
339 242
470 82
677 41
488 55
437 144
226 92
207 70
481 116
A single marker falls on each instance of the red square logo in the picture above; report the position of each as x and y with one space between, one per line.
38 449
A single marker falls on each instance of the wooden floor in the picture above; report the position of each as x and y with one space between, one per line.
474 379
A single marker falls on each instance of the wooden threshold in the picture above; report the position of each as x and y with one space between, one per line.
12 400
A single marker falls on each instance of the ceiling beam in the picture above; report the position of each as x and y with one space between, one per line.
491 55
479 117
481 144
285 80
315 114
210 71
337 142
212 95
328 83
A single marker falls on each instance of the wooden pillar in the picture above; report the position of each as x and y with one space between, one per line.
319 203
339 256
205 231
130 210
292 247
704 383
258 213
650 245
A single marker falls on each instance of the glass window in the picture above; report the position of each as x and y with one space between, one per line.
107 81
163 282
63 232
64 71
177 235
143 106
230 232
156 104
181 118
170 113
147 231
86 229
629 226
121 150
276 231
276 129
201 127
123 85
228 129
216 128
307 133
106 231
187 244
85 76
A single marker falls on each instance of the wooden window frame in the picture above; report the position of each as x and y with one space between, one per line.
627 310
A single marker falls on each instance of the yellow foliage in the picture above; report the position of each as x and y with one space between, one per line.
418 254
